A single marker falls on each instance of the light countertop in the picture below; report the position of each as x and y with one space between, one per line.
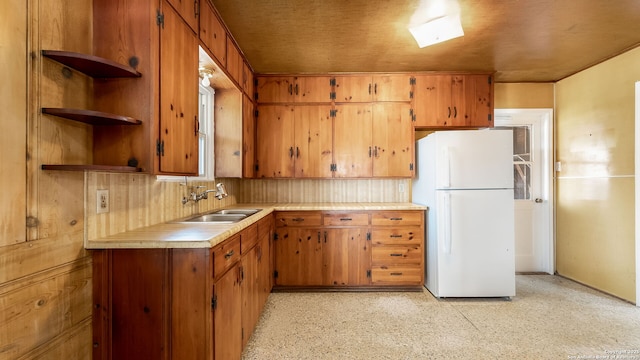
207 235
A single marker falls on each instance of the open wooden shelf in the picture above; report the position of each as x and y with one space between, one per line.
91 117
93 66
110 168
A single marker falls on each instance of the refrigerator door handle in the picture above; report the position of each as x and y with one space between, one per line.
445 181
446 205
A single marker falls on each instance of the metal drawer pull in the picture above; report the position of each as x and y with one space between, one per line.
228 255
297 219
395 236
397 219
395 274
395 254
346 219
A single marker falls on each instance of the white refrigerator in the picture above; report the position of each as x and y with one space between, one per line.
466 180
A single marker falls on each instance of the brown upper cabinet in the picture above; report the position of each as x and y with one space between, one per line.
235 63
164 99
464 101
366 88
188 10
293 89
212 33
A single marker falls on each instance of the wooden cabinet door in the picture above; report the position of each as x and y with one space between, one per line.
248 138
179 96
346 255
392 140
227 321
312 89
298 257
235 63
275 89
274 146
356 88
212 32
352 140
188 10
396 87
432 100
313 141
477 110
250 293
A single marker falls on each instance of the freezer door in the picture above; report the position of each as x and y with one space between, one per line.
474 159
475 243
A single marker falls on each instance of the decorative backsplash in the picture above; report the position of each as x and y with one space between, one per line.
139 200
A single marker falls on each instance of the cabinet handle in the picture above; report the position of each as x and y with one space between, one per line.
375 89
228 255
346 219
455 111
394 254
325 237
395 236
369 151
196 8
197 127
290 89
297 152
319 237
449 108
375 151
291 152
296 89
395 218
297 219
395 274
369 89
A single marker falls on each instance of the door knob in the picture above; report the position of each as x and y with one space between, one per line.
538 200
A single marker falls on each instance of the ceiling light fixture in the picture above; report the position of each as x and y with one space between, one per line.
437 30
205 75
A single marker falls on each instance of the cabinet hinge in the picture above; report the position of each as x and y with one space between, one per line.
160 18
333 167
368 236
275 274
489 117
368 273
411 166
489 80
159 147
332 95
332 82
333 113
214 302
256 113
255 95
412 81
410 94
257 167
275 236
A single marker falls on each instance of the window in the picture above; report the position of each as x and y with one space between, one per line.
522 161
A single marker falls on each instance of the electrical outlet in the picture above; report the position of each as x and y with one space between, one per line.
401 187
102 201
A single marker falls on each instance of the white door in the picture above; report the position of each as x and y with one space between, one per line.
532 186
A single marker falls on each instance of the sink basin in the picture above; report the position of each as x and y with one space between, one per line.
238 211
227 216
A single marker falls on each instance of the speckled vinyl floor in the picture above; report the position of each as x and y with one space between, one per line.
549 318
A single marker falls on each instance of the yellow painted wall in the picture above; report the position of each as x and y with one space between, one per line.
595 190
523 95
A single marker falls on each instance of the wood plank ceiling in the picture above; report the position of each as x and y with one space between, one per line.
521 40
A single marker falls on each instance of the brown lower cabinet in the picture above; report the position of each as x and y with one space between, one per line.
349 249
181 303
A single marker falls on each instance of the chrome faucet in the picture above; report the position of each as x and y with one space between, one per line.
221 193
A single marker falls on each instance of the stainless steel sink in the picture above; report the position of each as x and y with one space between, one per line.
238 211
227 216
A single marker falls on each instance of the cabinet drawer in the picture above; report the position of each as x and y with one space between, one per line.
346 219
396 275
391 236
248 238
298 218
396 254
225 255
384 218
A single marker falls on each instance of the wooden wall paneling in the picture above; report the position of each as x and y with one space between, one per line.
228 133
74 344
248 138
13 123
41 307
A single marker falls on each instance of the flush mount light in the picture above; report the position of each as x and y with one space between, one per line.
205 75
437 30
